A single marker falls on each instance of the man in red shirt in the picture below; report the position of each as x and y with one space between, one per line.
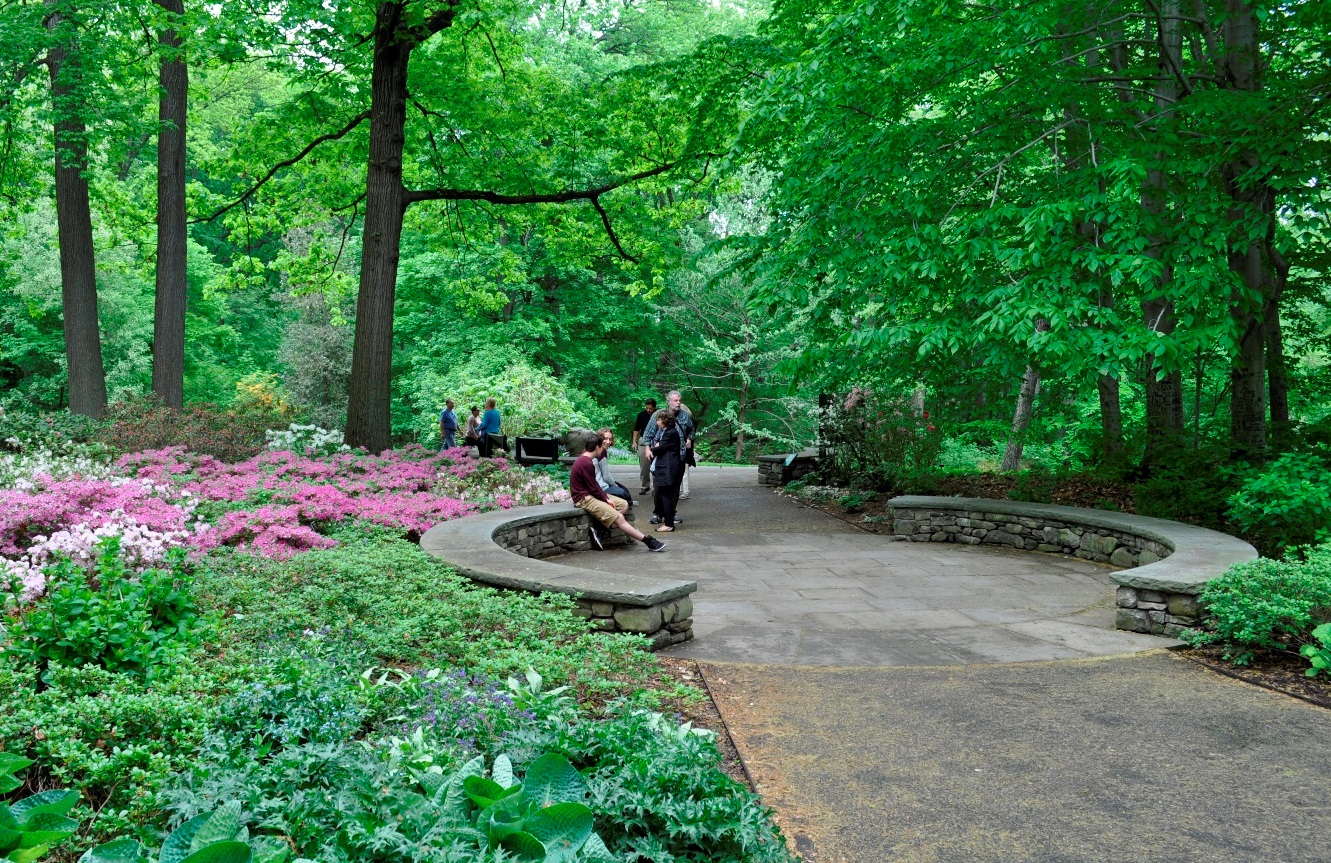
588 496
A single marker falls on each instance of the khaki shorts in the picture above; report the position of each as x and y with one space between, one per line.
606 513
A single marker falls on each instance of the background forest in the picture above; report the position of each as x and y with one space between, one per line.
1086 238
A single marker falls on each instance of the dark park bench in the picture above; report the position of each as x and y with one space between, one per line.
537 450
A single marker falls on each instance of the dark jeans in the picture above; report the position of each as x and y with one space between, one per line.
667 496
448 438
486 446
619 491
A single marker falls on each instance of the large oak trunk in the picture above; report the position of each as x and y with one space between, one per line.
78 272
369 391
1252 261
172 233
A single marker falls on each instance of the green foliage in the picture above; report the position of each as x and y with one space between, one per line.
544 817
530 400
114 737
1187 485
656 795
231 434
1284 504
219 836
1319 653
404 607
24 430
1267 604
1035 485
136 623
875 441
30 826
853 502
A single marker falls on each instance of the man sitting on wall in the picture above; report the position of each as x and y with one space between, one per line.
604 509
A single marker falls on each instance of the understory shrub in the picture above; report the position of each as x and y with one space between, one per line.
1267 604
1284 504
229 434
874 441
103 615
1187 485
117 738
406 608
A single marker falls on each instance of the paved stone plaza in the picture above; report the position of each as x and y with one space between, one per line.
782 584
900 701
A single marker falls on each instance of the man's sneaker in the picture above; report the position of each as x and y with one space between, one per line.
656 519
598 541
653 544
644 491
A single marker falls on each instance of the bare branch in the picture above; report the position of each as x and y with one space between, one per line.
605 220
287 163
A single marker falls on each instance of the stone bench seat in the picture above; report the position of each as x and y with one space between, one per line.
1165 564
504 549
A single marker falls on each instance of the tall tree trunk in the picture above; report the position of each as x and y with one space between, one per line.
369 391
1164 386
739 421
1021 418
1252 261
78 271
1111 415
172 233
1277 378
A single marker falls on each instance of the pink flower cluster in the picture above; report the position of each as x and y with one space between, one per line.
276 503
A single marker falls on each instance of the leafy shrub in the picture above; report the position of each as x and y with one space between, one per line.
657 792
406 608
306 439
1035 485
1284 504
107 617
530 399
229 434
26 431
457 712
873 441
114 737
1186 485
300 691
854 501
1267 603
1319 653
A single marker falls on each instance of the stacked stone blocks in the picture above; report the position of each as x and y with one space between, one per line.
664 623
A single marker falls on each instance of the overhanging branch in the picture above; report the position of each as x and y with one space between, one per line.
562 197
287 163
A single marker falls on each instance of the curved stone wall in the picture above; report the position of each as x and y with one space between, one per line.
505 549
1164 564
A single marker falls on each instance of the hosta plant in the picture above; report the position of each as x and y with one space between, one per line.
544 817
31 826
1319 654
216 837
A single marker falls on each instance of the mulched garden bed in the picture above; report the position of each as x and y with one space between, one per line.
704 714
1277 670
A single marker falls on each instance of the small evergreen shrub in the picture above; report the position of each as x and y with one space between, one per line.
231 434
1267 604
1284 504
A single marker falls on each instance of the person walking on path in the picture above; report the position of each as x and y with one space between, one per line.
489 428
644 459
448 426
684 426
607 482
588 497
667 468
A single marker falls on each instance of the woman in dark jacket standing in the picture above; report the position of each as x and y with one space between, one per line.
667 469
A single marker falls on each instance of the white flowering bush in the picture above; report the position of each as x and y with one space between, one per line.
307 439
23 470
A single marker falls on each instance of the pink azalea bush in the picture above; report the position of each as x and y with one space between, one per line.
277 503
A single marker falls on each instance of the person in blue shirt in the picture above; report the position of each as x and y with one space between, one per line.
489 426
448 426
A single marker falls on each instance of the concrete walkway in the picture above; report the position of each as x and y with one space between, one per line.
782 584
928 703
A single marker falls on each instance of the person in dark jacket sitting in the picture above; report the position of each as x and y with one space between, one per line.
668 453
